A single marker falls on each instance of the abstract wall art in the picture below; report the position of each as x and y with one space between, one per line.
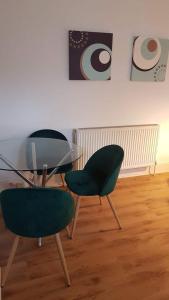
90 55
149 59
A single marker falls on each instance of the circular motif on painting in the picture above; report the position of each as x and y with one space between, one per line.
146 52
95 62
78 39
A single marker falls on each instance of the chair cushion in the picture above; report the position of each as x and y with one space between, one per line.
82 183
36 212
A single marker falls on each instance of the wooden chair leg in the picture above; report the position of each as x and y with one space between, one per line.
39 242
62 179
68 231
114 212
75 217
62 258
100 200
10 259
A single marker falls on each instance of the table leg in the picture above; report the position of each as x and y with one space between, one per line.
9 164
44 174
34 161
59 164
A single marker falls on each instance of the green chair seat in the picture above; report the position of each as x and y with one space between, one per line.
36 212
82 183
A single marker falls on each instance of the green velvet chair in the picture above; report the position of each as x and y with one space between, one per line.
34 213
98 177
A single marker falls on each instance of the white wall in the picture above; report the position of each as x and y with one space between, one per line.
34 88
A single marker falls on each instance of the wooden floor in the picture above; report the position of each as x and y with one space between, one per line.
104 263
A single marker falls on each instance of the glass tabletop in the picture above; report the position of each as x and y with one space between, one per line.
27 154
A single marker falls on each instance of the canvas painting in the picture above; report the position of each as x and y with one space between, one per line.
149 59
90 55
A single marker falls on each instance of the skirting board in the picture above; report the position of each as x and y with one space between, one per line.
160 168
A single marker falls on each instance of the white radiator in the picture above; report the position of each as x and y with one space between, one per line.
139 143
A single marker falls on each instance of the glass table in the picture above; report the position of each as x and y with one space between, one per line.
36 154
44 155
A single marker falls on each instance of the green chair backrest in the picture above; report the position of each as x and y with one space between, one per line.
48 133
51 134
36 212
104 165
